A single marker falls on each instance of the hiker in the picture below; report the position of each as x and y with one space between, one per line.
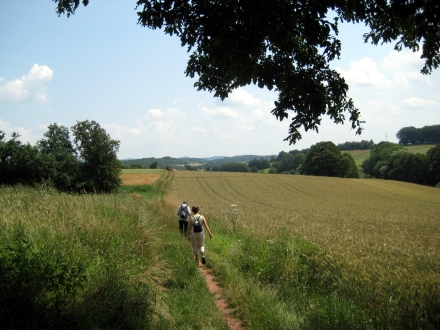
197 237
183 212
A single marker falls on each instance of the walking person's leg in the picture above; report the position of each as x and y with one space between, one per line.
202 247
185 226
195 247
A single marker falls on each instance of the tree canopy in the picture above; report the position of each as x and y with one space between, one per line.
325 159
89 164
286 46
424 135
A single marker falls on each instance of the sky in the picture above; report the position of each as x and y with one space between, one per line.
100 65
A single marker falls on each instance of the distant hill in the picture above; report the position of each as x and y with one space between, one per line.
182 161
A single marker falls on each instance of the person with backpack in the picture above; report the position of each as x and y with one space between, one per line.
183 212
197 237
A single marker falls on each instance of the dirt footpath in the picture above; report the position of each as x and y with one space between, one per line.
213 287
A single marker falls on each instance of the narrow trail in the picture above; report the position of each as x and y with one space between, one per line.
213 287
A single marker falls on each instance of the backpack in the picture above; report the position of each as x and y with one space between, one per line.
197 225
183 211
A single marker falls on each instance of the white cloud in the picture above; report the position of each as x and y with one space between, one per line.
175 112
29 88
247 128
118 131
405 66
198 129
416 102
365 74
222 112
242 98
405 59
26 135
154 113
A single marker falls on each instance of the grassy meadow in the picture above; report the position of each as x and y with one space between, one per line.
290 252
378 240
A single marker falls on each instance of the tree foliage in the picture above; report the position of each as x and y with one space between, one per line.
286 46
325 159
393 162
99 166
259 164
363 145
88 164
231 167
378 158
424 135
59 157
433 155
19 163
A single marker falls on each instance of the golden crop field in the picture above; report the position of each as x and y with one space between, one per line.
384 236
132 177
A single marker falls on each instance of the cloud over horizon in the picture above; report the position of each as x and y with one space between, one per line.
31 87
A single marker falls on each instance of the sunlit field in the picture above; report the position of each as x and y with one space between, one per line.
381 239
132 177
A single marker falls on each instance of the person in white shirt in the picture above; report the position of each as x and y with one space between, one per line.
197 236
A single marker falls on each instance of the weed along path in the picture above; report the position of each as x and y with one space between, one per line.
214 288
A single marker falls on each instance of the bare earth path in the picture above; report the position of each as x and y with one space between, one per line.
213 287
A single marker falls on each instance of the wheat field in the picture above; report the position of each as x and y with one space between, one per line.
381 239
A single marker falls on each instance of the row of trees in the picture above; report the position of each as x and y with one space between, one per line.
86 163
424 135
152 165
259 164
231 167
363 145
391 161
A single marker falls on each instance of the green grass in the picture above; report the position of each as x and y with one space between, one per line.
359 155
147 191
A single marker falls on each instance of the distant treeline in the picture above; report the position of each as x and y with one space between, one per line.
86 164
188 162
424 135
363 145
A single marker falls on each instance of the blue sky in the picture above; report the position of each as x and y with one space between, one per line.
100 65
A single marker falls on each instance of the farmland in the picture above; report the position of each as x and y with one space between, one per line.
132 177
380 238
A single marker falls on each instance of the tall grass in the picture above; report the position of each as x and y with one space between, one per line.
78 261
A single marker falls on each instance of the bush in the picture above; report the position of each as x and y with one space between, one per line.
36 287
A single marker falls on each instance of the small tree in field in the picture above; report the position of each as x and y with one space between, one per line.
325 159
99 166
